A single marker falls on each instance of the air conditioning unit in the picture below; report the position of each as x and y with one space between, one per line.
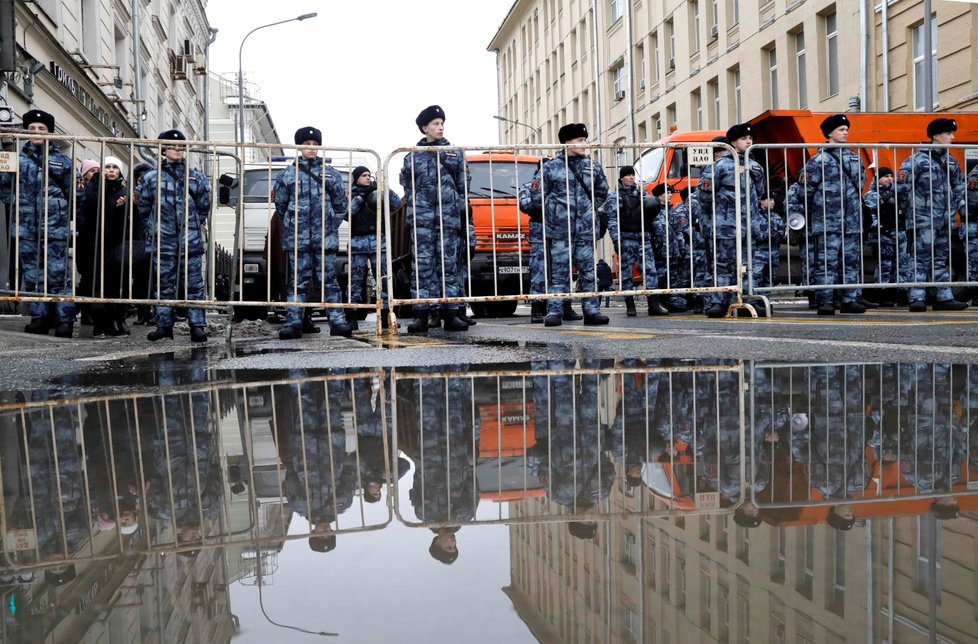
714 32
641 84
620 95
672 63
178 65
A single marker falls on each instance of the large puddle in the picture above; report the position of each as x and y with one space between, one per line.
564 500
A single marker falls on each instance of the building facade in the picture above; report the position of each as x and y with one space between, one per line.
632 69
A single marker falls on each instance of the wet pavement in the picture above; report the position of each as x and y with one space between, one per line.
539 491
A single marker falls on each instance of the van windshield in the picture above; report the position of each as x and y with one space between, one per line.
258 183
503 181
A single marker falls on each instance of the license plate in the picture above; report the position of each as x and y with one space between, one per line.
513 270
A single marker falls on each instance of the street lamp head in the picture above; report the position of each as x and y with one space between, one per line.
307 15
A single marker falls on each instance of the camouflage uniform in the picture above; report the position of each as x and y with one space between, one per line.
829 195
716 195
889 229
434 190
569 184
631 229
529 202
969 232
43 228
311 199
673 231
363 240
173 234
930 187
633 434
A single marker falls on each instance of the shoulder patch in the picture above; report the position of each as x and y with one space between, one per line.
803 177
535 185
706 184
973 183
902 175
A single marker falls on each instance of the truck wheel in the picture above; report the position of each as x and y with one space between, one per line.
504 309
249 313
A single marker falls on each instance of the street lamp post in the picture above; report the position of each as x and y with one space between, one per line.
535 129
241 128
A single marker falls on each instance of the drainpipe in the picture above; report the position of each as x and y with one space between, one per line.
863 54
137 58
629 61
928 59
885 44
207 84
597 71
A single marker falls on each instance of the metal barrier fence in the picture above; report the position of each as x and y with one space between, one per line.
568 443
840 442
493 226
837 215
175 471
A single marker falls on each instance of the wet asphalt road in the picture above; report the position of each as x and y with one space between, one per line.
85 366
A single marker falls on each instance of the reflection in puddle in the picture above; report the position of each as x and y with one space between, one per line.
633 501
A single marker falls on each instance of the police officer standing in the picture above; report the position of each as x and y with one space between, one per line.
42 225
173 232
310 197
364 206
434 189
829 194
572 185
888 225
930 187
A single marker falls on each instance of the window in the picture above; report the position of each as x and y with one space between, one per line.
696 99
670 46
90 28
617 7
631 550
713 92
640 56
618 82
929 549
706 600
633 625
733 11
714 18
670 121
801 76
777 570
831 55
772 77
655 58
735 95
694 25
918 64
839 587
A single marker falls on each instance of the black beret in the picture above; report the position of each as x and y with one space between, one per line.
308 133
745 520
428 115
740 130
571 131
39 116
883 171
941 126
659 190
625 171
831 123
59 576
172 135
358 172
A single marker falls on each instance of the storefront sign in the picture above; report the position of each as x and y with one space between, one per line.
87 100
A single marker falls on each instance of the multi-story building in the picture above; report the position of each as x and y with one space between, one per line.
80 61
632 69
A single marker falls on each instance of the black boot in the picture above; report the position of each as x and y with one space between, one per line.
38 326
655 307
595 319
291 333
538 311
434 319
308 326
570 315
344 330
198 334
160 333
99 327
420 324
66 330
465 318
716 311
630 307
144 315
351 320
452 322
552 320
119 321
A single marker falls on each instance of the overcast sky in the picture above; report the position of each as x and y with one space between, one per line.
377 65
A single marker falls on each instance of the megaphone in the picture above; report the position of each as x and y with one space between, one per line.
796 221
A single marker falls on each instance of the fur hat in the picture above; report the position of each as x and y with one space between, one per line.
740 130
39 116
172 135
941 126
428 115
308 133
571 131
832 123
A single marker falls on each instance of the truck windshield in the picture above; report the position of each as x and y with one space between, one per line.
678 167
258 183
504 180
649 165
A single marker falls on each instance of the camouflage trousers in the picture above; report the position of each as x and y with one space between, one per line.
364 257
895 263
538 277
305 269
177 276
930 256
676 274
559 260
765 260
436 263
724 265
833 258
55 279
636 248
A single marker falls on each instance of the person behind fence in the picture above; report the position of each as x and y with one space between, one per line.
434 189
41 224
717 196
310 198
769 230
574 187
673 238
530 203
102 227
930 188
173 233
365 203
888 230
631 222
828 194
969 232
142 268
605 280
